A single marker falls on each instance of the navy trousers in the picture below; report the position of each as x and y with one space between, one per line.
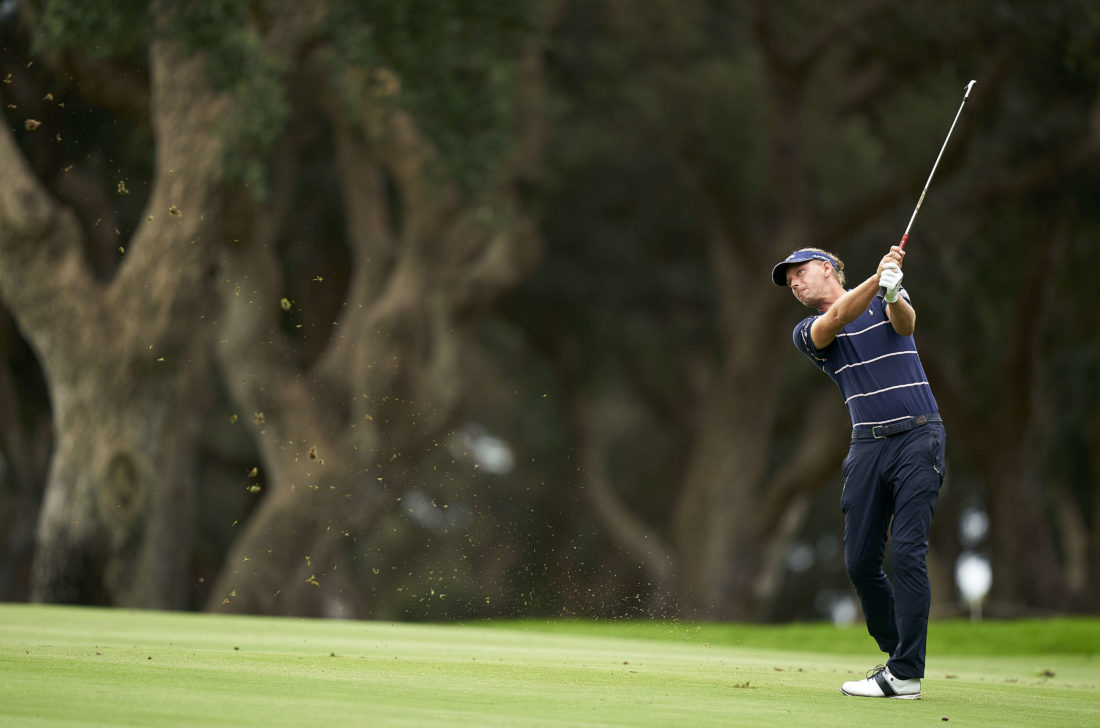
890 487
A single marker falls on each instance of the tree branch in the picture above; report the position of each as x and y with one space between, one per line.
842 24
640 542
823 439
43 275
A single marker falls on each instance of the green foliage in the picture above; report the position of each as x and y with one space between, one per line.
239 62
252 72
106 29
454 64
454 61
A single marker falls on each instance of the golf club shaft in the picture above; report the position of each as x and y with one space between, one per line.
936 164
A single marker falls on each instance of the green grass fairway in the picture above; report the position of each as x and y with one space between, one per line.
67 666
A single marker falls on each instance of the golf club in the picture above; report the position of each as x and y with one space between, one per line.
936 164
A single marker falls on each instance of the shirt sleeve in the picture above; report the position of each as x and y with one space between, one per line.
805 343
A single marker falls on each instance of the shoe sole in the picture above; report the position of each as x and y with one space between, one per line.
914 696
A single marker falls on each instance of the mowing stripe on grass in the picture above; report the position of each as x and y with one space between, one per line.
70 666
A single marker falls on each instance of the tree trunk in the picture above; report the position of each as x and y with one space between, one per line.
25 444
1000 423
732 519
122 360
341 438
638 540
721 539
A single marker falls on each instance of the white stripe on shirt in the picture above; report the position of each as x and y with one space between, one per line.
863 331
880 391
877 358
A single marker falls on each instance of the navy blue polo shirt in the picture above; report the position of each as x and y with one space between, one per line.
878 371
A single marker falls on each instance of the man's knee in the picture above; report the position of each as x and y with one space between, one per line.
863 571
909 557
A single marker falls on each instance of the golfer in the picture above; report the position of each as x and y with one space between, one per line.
863 339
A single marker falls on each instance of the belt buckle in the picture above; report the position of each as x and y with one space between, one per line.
884 429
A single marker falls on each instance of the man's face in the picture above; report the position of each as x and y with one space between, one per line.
810 282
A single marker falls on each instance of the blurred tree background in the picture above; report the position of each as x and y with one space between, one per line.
460 309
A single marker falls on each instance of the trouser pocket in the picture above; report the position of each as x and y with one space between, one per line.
937 442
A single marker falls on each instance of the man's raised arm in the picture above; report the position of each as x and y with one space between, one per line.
849 306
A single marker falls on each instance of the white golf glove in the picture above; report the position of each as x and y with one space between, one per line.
890 279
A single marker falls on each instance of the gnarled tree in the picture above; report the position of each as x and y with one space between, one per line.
122 358
341 431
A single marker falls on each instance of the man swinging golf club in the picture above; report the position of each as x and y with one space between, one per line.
863 339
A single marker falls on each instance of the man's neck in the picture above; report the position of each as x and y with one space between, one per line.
828 303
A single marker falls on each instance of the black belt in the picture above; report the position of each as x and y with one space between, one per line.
878 432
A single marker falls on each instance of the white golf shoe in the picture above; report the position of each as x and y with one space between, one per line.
881 683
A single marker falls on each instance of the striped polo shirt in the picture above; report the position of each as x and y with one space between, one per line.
878 371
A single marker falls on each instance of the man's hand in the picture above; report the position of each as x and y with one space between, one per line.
890 279
895 257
